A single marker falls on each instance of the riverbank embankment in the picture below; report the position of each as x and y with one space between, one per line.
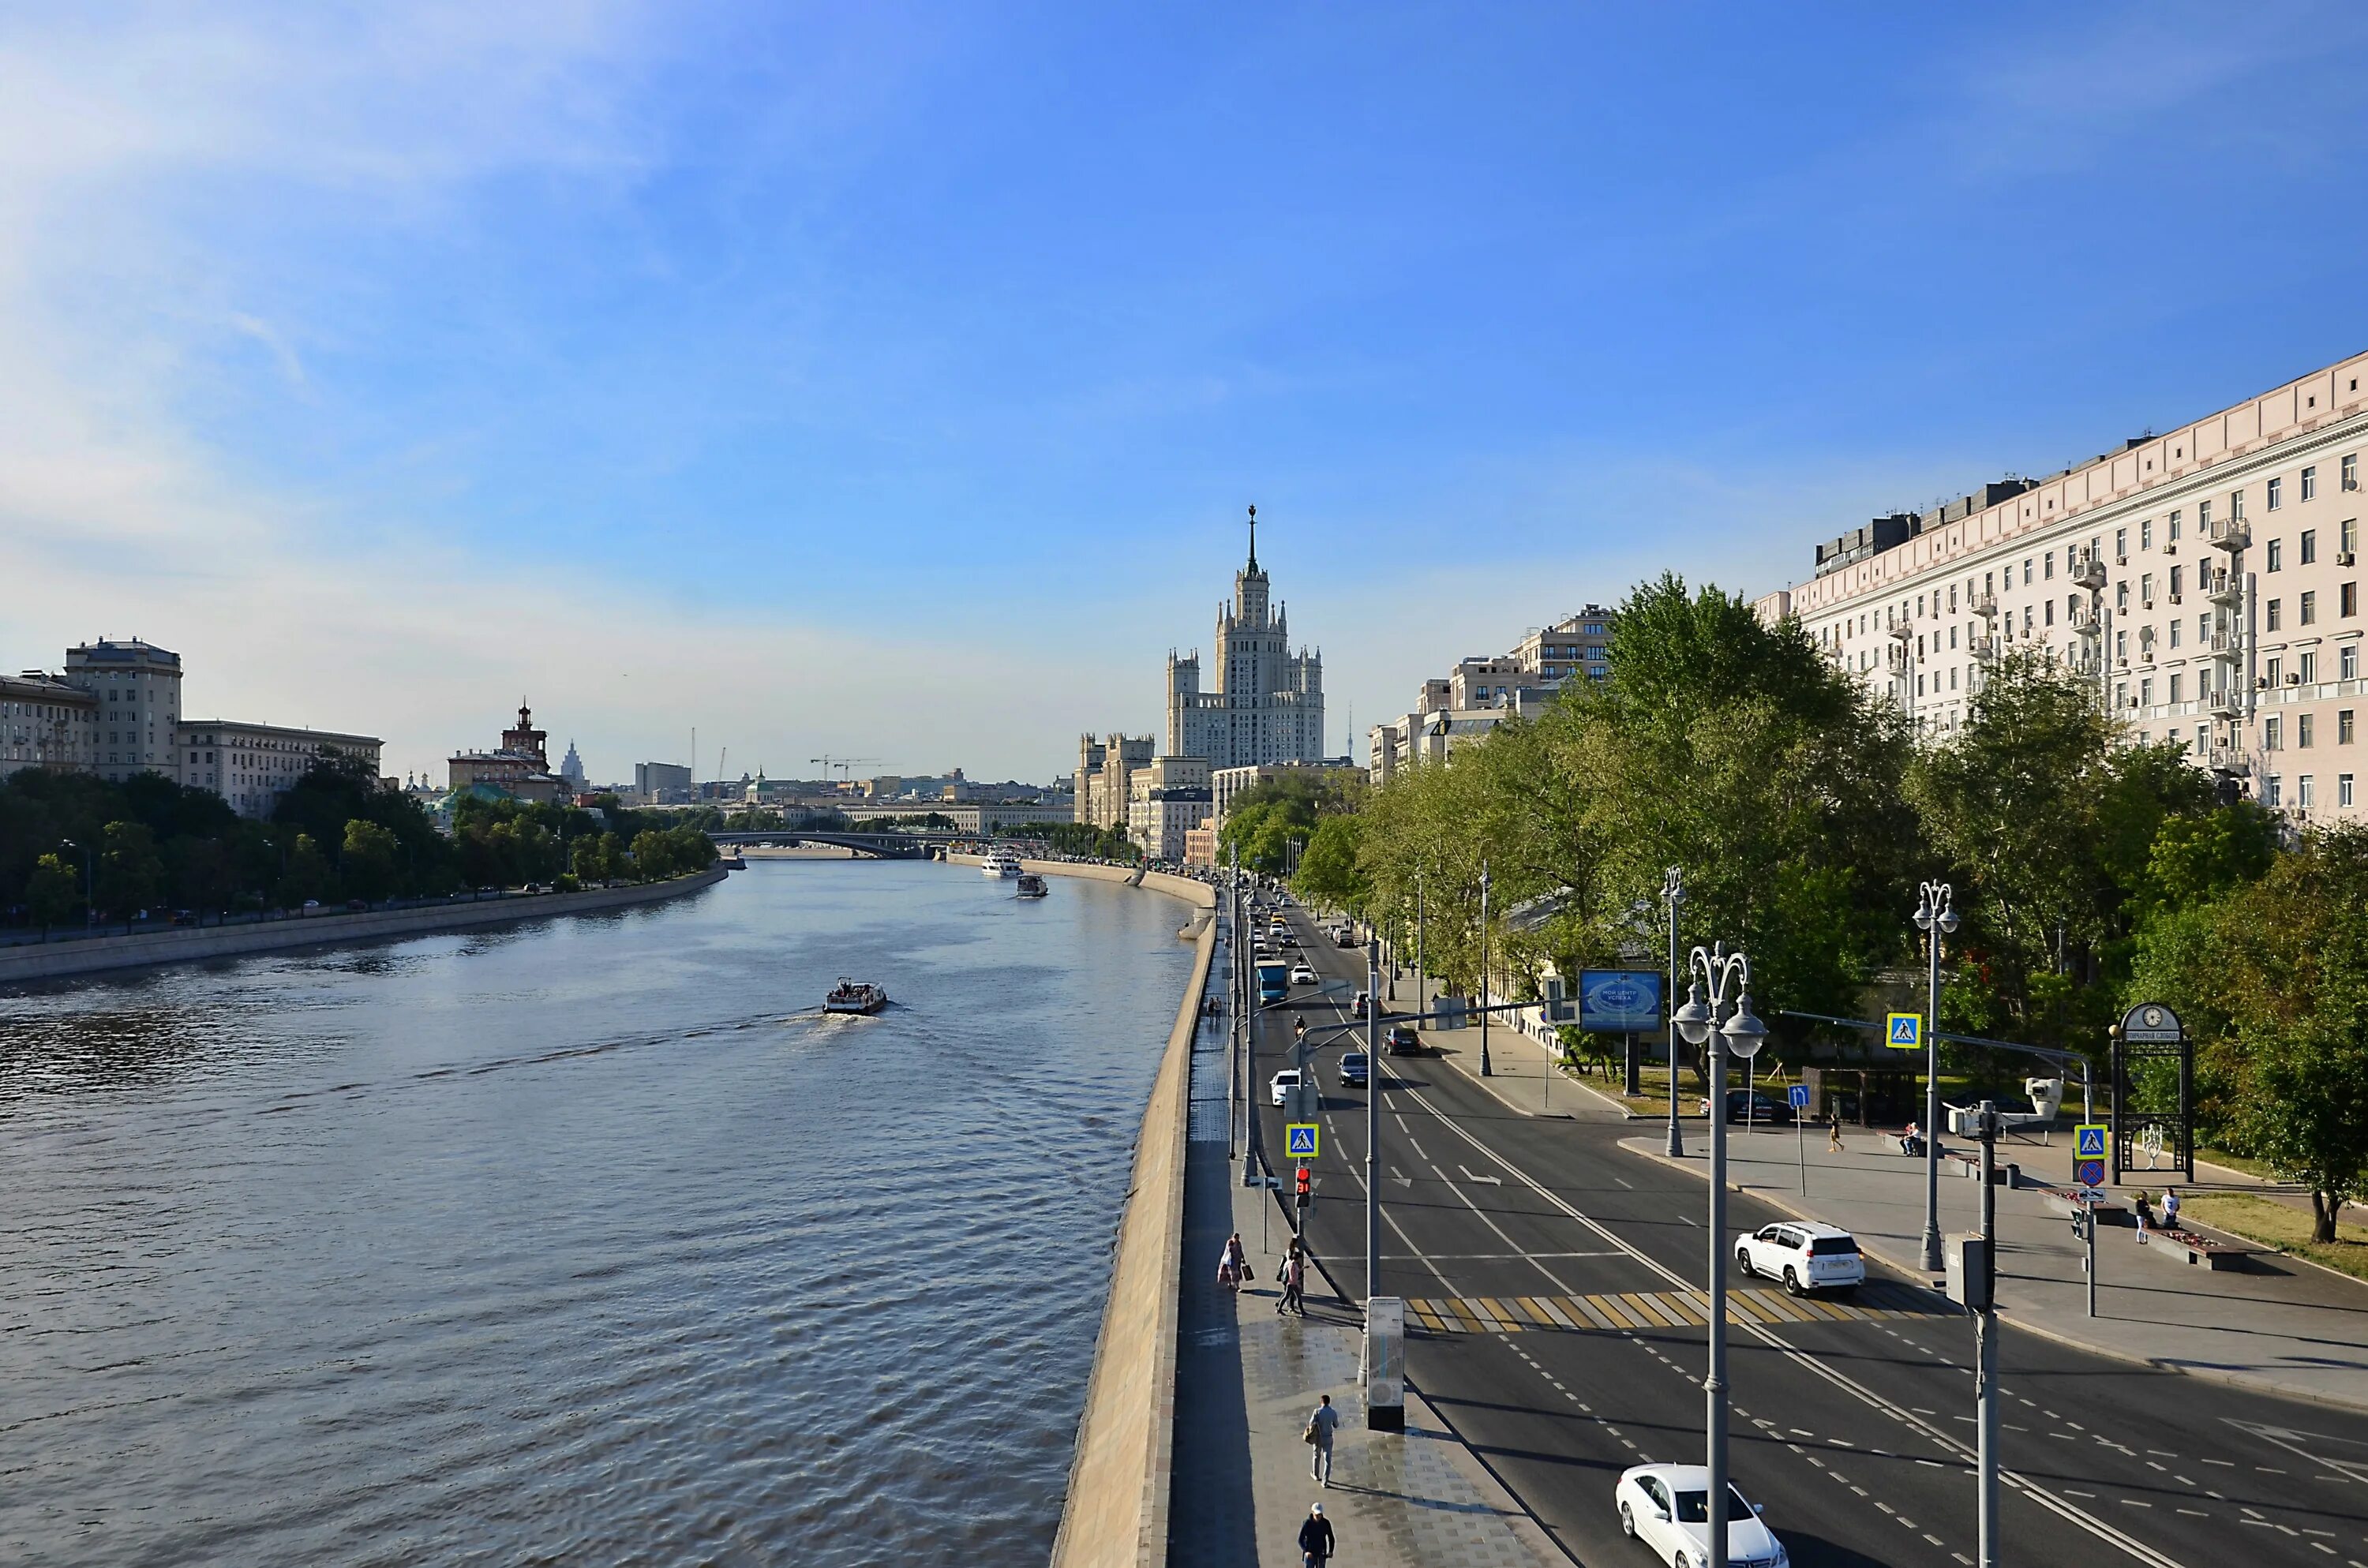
1117 1507
100 955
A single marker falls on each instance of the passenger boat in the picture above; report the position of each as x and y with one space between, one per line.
854 997
1032 886
1000 863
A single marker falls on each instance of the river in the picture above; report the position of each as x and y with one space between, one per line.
583 1241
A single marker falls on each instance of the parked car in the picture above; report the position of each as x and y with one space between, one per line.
1666 1506
1751 1104
1804 1254
1287 939
1302 975
1402 1040
1279 1087
1353 1067
357 905
1344 936
1357 1008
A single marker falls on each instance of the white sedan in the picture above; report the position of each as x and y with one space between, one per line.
1666 1506
1301 974
1278 1088
1804 1254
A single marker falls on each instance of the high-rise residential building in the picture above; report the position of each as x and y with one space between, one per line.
2206 580
1105 770
251 766
137 687
46 724
571 768
1483 691
1266 703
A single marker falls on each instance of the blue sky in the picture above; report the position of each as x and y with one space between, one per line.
891 380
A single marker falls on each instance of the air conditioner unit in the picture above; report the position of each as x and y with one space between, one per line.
2120 560
2260 683
2177 598
2294 680
2170 550
2344 558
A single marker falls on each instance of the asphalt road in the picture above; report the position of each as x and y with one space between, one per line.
1855 1436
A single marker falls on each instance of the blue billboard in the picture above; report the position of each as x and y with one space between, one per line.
1619 1001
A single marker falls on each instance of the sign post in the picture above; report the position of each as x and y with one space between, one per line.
1798 1096
2152 1032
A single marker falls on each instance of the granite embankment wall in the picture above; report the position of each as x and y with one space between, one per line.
188 944
1116 1516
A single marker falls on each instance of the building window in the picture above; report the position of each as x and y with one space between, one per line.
2050 612
2176 579
2346 662
2026 571
2277 555
2121 598
2343 789
2122 646
2174 688
2146 590
2270 791
2121 544
2146 533
2308 545
2305 729
2277 672
2277 495
2346 535
2301 791
2276 608
2310 483
2309 672
2306 609
2146 692
2351 471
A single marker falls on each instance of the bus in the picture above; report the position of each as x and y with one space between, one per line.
1274 982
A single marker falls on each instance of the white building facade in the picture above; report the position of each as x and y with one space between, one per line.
1483 691
2207 580
251 766
137 687
1266 703
46 724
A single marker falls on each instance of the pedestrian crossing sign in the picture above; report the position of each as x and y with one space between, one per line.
2088 1141
1903 1031
1299 1140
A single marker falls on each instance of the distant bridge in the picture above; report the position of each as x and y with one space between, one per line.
879 846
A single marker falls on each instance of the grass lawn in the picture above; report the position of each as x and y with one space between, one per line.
2238 1162
2280 1225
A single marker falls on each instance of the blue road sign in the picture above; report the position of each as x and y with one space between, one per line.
1619 1001
2090 1172
2088 1141
1798 1095
1299 1139
1903 1031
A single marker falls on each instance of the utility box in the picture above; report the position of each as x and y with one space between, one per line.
1970 1277
1386 1364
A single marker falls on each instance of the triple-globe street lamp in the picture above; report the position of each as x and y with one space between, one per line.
1738 1033
1936 919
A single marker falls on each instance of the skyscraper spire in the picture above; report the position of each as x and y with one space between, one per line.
1253 539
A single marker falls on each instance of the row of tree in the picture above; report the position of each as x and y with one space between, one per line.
1803 815
74 847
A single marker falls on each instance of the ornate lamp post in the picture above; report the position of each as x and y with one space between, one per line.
1484 1071
1741 1034
1936 919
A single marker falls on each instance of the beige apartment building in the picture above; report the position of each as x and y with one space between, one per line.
137 687
251 766
2207 580
46 724
1483 691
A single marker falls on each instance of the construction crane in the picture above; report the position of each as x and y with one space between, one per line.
844 764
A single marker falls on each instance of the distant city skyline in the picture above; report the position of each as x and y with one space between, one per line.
890 382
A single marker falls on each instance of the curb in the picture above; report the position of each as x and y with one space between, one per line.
1922 1280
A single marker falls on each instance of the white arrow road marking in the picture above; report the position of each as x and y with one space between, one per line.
1484 1181
1400 1176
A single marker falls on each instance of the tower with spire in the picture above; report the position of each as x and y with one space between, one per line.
1266 702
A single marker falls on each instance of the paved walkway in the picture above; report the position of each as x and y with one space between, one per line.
1245 1382
2277 1325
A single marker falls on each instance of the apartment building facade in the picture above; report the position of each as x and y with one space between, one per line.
46 724
1483 691
2206 580
251 766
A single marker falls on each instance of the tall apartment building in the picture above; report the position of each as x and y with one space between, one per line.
1483 691
2207 580
251 766
1104 773
1166 800
46 724
137 687
1268 702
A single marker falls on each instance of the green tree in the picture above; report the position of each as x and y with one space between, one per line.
368 864
591 857
53 893
308 875
131 873
1328 873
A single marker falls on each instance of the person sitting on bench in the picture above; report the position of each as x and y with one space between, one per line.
1911 1141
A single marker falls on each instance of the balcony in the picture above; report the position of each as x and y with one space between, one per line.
2232 535
2230 761
1986 649
2226 703
2092 574
1986 605
2228 644
2227 588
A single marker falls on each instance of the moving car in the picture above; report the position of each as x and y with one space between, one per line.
1804 1254
1402 1040
1666 1506
1357 1008
1353 1065
1752 1106
1302 975
1279 1087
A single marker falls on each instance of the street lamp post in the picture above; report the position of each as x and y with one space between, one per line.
1372 1138
1484 1071
1742 1034
89 882
1673 889
1936 919
1420 959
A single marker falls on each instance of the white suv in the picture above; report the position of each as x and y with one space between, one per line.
1804 1254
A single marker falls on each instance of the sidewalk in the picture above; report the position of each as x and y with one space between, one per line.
1519 1071
2275 1325
1245 1382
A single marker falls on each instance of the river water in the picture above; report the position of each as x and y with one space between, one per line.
585 1242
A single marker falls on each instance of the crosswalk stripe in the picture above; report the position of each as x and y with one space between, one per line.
1630 1311
1646 1307
1585 1306
1538 1313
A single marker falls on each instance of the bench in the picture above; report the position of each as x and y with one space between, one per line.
2005 1173
2066 1202
2202 1252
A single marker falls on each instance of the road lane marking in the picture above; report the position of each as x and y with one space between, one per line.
1480 1180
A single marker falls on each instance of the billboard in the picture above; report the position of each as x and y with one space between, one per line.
1619 1001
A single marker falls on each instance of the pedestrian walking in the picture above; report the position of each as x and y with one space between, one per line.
2170 1208
1315 1537
2145 1215
1231 1264
1294 1274
1833 1132
1322 1421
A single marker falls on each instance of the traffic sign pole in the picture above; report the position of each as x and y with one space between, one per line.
1798 1096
